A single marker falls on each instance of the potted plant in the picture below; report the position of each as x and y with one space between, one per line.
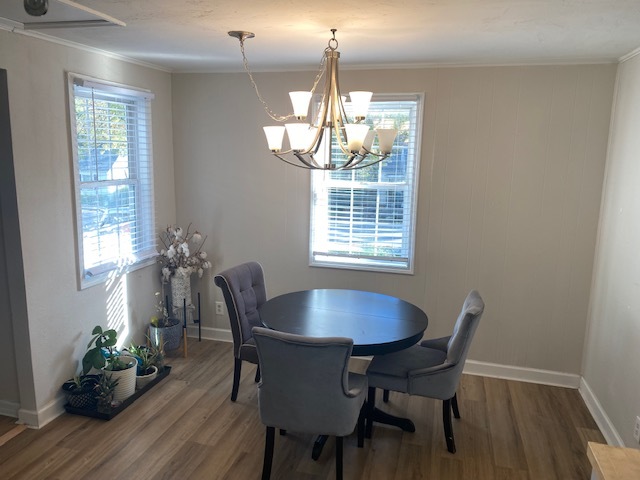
103 392
80 391
147 368
165 332
102 355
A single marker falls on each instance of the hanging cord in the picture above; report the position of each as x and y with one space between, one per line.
275 116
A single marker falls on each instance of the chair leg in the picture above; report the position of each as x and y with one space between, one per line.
268 453
448 428
454 406
257 379
385 396
371 404
237 366
339 458
361 426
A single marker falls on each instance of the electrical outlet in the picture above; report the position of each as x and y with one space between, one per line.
636 430
219 308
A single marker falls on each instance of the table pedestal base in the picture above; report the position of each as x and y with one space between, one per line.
383 417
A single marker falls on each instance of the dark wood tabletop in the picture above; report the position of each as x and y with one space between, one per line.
377 323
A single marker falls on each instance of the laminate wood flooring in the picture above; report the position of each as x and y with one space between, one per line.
187 428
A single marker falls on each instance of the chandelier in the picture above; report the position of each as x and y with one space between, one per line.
330 141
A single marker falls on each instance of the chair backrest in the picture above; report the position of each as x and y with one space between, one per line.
442 381
304 385
243 288
465 328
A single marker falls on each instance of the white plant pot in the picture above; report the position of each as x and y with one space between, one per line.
143 380
127 379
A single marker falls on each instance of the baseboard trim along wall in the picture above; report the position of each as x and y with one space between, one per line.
599 415
522 374
43 416
209 333
9 409
472 367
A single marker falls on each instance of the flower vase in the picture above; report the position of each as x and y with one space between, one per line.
180 291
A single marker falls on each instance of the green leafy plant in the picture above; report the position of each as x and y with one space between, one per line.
80 383
102 353
104 392
147 357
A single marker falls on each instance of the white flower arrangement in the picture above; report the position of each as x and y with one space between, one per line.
182 253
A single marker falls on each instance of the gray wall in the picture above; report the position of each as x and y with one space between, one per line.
58 319
611 362
510 183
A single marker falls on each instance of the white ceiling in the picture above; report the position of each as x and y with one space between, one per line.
191 35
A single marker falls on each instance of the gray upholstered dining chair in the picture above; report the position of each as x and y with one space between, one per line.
244 290
306 387
432 368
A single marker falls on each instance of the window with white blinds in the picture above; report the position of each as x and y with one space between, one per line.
111 137
365 219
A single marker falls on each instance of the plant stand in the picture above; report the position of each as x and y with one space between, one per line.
93 412
185 313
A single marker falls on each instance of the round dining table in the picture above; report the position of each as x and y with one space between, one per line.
377 323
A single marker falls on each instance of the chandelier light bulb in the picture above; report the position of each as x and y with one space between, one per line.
298 134
356 134
300 102
360 104
275 135
386 137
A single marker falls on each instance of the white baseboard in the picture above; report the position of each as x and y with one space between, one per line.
9 409
472 367
209 333
38 419
523 374
599 415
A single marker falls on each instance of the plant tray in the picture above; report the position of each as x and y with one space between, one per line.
92 412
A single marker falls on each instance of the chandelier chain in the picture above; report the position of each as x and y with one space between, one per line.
271 113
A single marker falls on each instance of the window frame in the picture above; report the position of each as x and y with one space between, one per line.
142 179
376 263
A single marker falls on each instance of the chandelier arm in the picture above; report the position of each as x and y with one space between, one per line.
358 166
306 165
337 112
369 152
353 160
312 165
321 118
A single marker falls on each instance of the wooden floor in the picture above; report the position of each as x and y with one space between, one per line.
187 428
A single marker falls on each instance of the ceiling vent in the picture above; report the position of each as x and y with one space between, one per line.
45 14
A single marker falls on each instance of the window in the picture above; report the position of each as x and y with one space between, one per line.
111 137
365 219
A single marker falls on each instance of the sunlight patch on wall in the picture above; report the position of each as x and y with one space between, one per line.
117 311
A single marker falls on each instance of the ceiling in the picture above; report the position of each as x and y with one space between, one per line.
191 35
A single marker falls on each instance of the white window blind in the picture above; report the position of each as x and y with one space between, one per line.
365 219
111 136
